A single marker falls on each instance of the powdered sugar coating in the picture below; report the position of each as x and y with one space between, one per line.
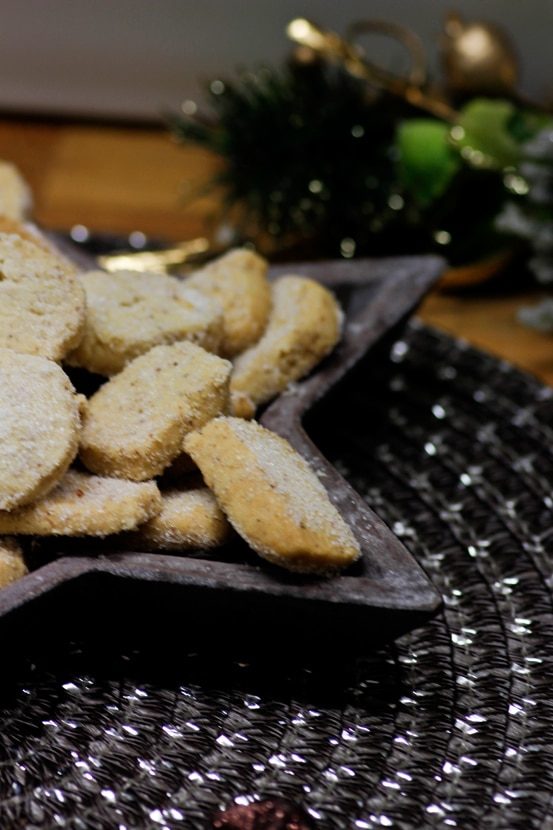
39 427
271 496
135 424
189 518
130 312
85 505
42 304
304 326
238 280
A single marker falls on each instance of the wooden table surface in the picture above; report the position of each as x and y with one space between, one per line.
123 179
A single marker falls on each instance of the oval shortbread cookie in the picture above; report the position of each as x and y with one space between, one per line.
130 312
16 200
25 230
271 496
32 233
39 427
304 326
135 424
241 405
239 281
42 304
12 563
85 505
189 518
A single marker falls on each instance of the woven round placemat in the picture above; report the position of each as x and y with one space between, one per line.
452 726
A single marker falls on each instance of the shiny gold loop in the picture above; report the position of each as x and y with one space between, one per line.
333 47
418 71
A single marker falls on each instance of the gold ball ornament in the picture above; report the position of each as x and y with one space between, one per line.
478 58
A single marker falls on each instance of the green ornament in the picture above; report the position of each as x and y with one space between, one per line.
427 162
483 134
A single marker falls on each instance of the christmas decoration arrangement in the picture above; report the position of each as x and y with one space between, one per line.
331 155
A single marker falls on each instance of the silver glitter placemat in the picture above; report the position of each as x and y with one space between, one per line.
452 726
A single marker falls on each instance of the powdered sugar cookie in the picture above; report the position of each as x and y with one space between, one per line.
238 280
304 326
42 304
271 496
135 424
130 312
25 230
189 518
12 563
241 405
39 426
85 505
16 200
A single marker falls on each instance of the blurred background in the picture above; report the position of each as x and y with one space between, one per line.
117 116
135 59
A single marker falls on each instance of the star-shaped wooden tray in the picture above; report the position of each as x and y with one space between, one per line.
386 590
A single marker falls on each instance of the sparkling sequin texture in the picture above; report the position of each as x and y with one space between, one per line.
451 726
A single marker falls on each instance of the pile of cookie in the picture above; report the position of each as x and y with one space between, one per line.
165 454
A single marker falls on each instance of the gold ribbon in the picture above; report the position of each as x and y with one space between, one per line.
349 54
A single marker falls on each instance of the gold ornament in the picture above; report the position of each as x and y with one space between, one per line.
478 58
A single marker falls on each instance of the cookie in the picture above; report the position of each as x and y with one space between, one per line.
39 427
189 518
135 424
271 496
238 280
12 563
32 233
130 312
25 230
16 200
85 505
304 326
241 405
42 304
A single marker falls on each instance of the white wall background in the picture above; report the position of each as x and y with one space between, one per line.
136 58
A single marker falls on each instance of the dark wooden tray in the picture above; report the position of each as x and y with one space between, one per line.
386 589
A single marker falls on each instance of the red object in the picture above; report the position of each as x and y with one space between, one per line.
271 814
